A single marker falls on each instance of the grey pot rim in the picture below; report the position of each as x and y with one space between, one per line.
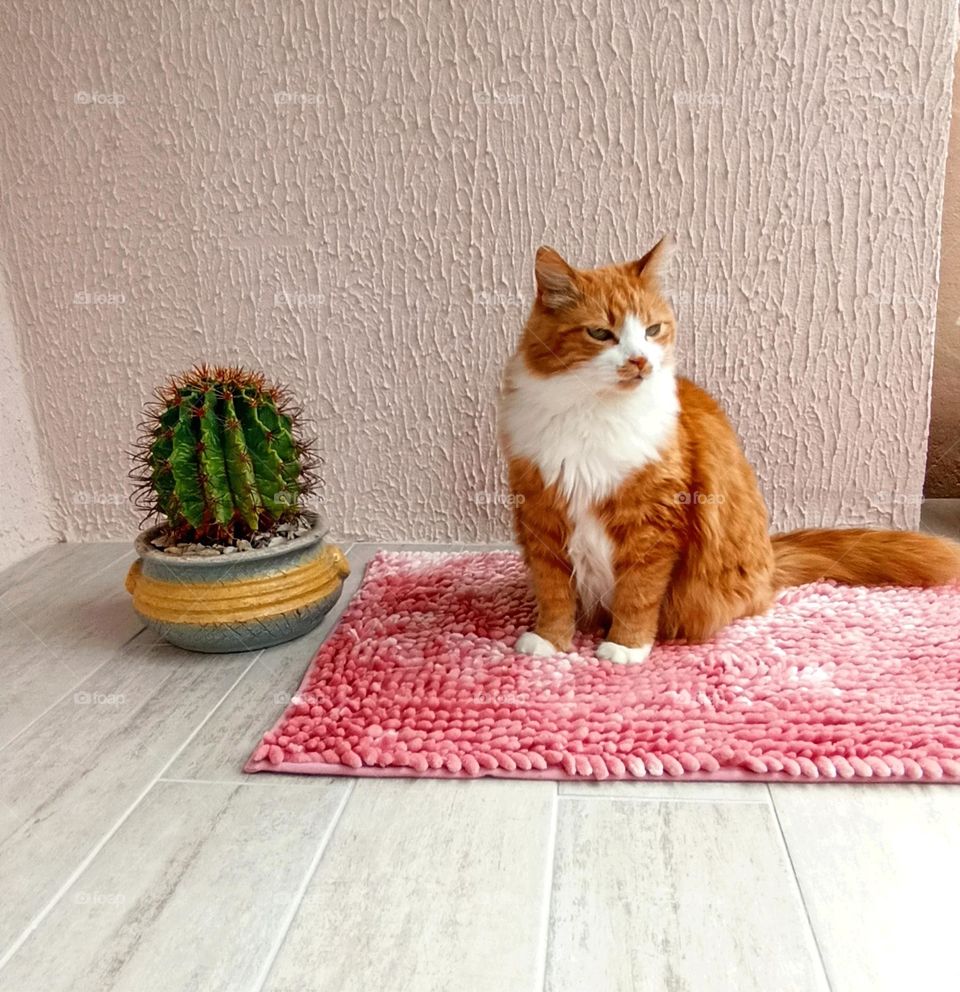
318 531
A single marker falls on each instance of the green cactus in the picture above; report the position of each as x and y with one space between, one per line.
221 456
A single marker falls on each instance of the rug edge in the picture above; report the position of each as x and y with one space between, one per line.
558 775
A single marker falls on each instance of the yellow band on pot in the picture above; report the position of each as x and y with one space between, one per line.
240 600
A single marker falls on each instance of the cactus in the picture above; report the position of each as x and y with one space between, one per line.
221 456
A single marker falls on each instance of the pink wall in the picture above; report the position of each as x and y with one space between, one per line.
943 455
350 195
23 499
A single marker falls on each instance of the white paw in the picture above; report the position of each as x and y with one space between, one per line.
612 651
531 643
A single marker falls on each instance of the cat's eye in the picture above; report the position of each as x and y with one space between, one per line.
653 330
600 333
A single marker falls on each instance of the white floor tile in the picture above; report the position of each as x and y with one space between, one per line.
427 885
67 782
191 893
879 868
57 625
649 896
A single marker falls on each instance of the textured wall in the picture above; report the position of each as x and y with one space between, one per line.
943 454
349 194
23 499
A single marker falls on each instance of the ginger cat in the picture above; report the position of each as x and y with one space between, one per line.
633 501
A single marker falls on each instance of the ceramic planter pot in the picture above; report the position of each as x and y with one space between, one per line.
237 602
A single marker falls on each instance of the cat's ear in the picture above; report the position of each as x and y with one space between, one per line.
557 283
655 265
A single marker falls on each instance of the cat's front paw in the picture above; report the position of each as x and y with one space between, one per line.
611 651
531 643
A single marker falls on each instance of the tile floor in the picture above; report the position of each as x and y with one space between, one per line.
134 855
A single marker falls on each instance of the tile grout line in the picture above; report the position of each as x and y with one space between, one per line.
217 781
796 881
9 589
130 550
665 799
540 981
73 688
79 682
105 838
273 951
31 572
66 544
330 621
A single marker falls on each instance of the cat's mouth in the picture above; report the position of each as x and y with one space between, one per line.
631 380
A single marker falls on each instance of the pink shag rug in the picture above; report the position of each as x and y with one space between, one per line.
419 678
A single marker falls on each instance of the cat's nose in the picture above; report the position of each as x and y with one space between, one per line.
641 363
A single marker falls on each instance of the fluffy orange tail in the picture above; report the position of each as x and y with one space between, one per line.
861 557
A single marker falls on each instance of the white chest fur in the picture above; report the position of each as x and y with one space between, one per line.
591 554
587 442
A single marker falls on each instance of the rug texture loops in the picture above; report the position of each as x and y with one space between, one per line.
420 678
